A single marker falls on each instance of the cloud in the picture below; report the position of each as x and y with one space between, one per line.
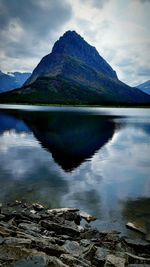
144 1
118 29
96 3
28 27
38 16
24 166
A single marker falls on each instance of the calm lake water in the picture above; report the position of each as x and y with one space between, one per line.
96 159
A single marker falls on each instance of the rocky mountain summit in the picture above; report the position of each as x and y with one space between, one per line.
74 73
71 46
34 236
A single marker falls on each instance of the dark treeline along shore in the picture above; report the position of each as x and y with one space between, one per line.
75 74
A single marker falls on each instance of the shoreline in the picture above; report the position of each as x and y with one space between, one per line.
32 235
76 106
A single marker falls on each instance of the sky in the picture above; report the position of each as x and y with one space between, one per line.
119 29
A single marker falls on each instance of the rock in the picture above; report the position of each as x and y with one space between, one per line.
61 210
66 237
72 216
5 231
138 265
2 216
89 252
73 261
147 237
59 229
108 232
80 229
113 261
136 226
1 240
40 261
38 207
22 234
31 233
49 249
32 211
18 202
33 261
136 259
90 233
1 207
69 214
100 256
13 241
58 241
85 242
32 216
13 253
84 250
87 216
137 243
98 236
48 233
72 247
54 262
12 221
30 226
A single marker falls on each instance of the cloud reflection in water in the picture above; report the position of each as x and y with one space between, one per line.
115 175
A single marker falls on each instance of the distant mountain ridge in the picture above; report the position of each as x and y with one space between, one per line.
74 73
12 80
145 87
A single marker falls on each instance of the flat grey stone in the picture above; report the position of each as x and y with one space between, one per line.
34 261
113 261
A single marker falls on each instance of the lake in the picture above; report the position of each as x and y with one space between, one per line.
96 159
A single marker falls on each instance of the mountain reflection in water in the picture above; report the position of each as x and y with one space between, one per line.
95 159
71 138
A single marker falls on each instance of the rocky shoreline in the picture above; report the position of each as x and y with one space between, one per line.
33 236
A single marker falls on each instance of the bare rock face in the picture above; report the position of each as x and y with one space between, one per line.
52 238
75 73
71 46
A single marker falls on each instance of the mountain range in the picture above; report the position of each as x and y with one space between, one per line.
12 80
74 73
145 87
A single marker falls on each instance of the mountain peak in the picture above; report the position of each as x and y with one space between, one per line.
71 33
69 39
74 72
71 49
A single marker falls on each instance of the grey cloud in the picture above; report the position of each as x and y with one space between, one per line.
133 73
33 15
27 27
96 3
144 71
144 1
131 64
